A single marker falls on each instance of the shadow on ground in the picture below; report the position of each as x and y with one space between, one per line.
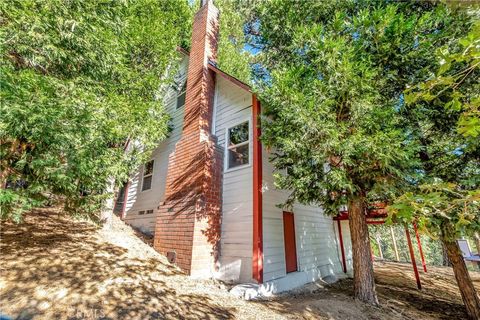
397 292
56 268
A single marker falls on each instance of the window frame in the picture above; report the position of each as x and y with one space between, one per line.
227 147
183 90
148 175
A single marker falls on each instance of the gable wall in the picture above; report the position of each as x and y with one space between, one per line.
316 234
150 199
233 106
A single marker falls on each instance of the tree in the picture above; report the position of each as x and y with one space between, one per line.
447 212
233 57
445 200
78 84
331 77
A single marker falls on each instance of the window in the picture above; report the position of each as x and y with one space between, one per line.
181 96
147 175
149 211
238 149
141 212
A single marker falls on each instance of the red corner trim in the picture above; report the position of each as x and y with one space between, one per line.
342 248
257 258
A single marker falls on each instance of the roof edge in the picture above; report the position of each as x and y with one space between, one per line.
241 84
212 66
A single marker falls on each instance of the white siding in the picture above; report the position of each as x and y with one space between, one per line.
316 235
233 106
347 244
137 199
318 251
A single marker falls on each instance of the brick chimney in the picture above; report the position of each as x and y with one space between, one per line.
188 222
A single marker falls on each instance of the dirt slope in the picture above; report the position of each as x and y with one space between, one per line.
56 268
53 267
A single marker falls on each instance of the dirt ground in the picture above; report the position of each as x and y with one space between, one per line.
55 268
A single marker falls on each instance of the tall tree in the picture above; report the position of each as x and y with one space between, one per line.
78 82
332 75
445 112
233 56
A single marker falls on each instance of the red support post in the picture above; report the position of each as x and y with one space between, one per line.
257 257
412 257
420 247
342 249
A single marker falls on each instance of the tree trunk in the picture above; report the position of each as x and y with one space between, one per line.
469 295
379 245
4 177
477 242
394 241
445 260
363 278
106 216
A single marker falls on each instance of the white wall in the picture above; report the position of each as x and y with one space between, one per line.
316 235
233 106
347 244
137 199
318 251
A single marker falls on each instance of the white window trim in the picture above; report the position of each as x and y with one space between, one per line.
179 93
250 151
150 175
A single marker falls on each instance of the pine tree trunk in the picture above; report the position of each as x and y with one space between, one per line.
363 277
469 295
394 241
4 178
477 242
379 245
106 216
445 260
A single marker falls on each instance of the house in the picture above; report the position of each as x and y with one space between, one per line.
207 193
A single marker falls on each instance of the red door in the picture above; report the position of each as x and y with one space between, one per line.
289 238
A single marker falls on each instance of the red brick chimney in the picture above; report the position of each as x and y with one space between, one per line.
188 222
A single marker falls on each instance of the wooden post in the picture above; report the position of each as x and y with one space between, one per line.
412 257
379 245
395 249
420 247
371 251
342 249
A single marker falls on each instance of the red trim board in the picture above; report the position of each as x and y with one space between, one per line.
342 248
257 257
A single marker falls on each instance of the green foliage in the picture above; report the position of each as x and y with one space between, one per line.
232 56
332 81
78 84
455 84
444 114
441 210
